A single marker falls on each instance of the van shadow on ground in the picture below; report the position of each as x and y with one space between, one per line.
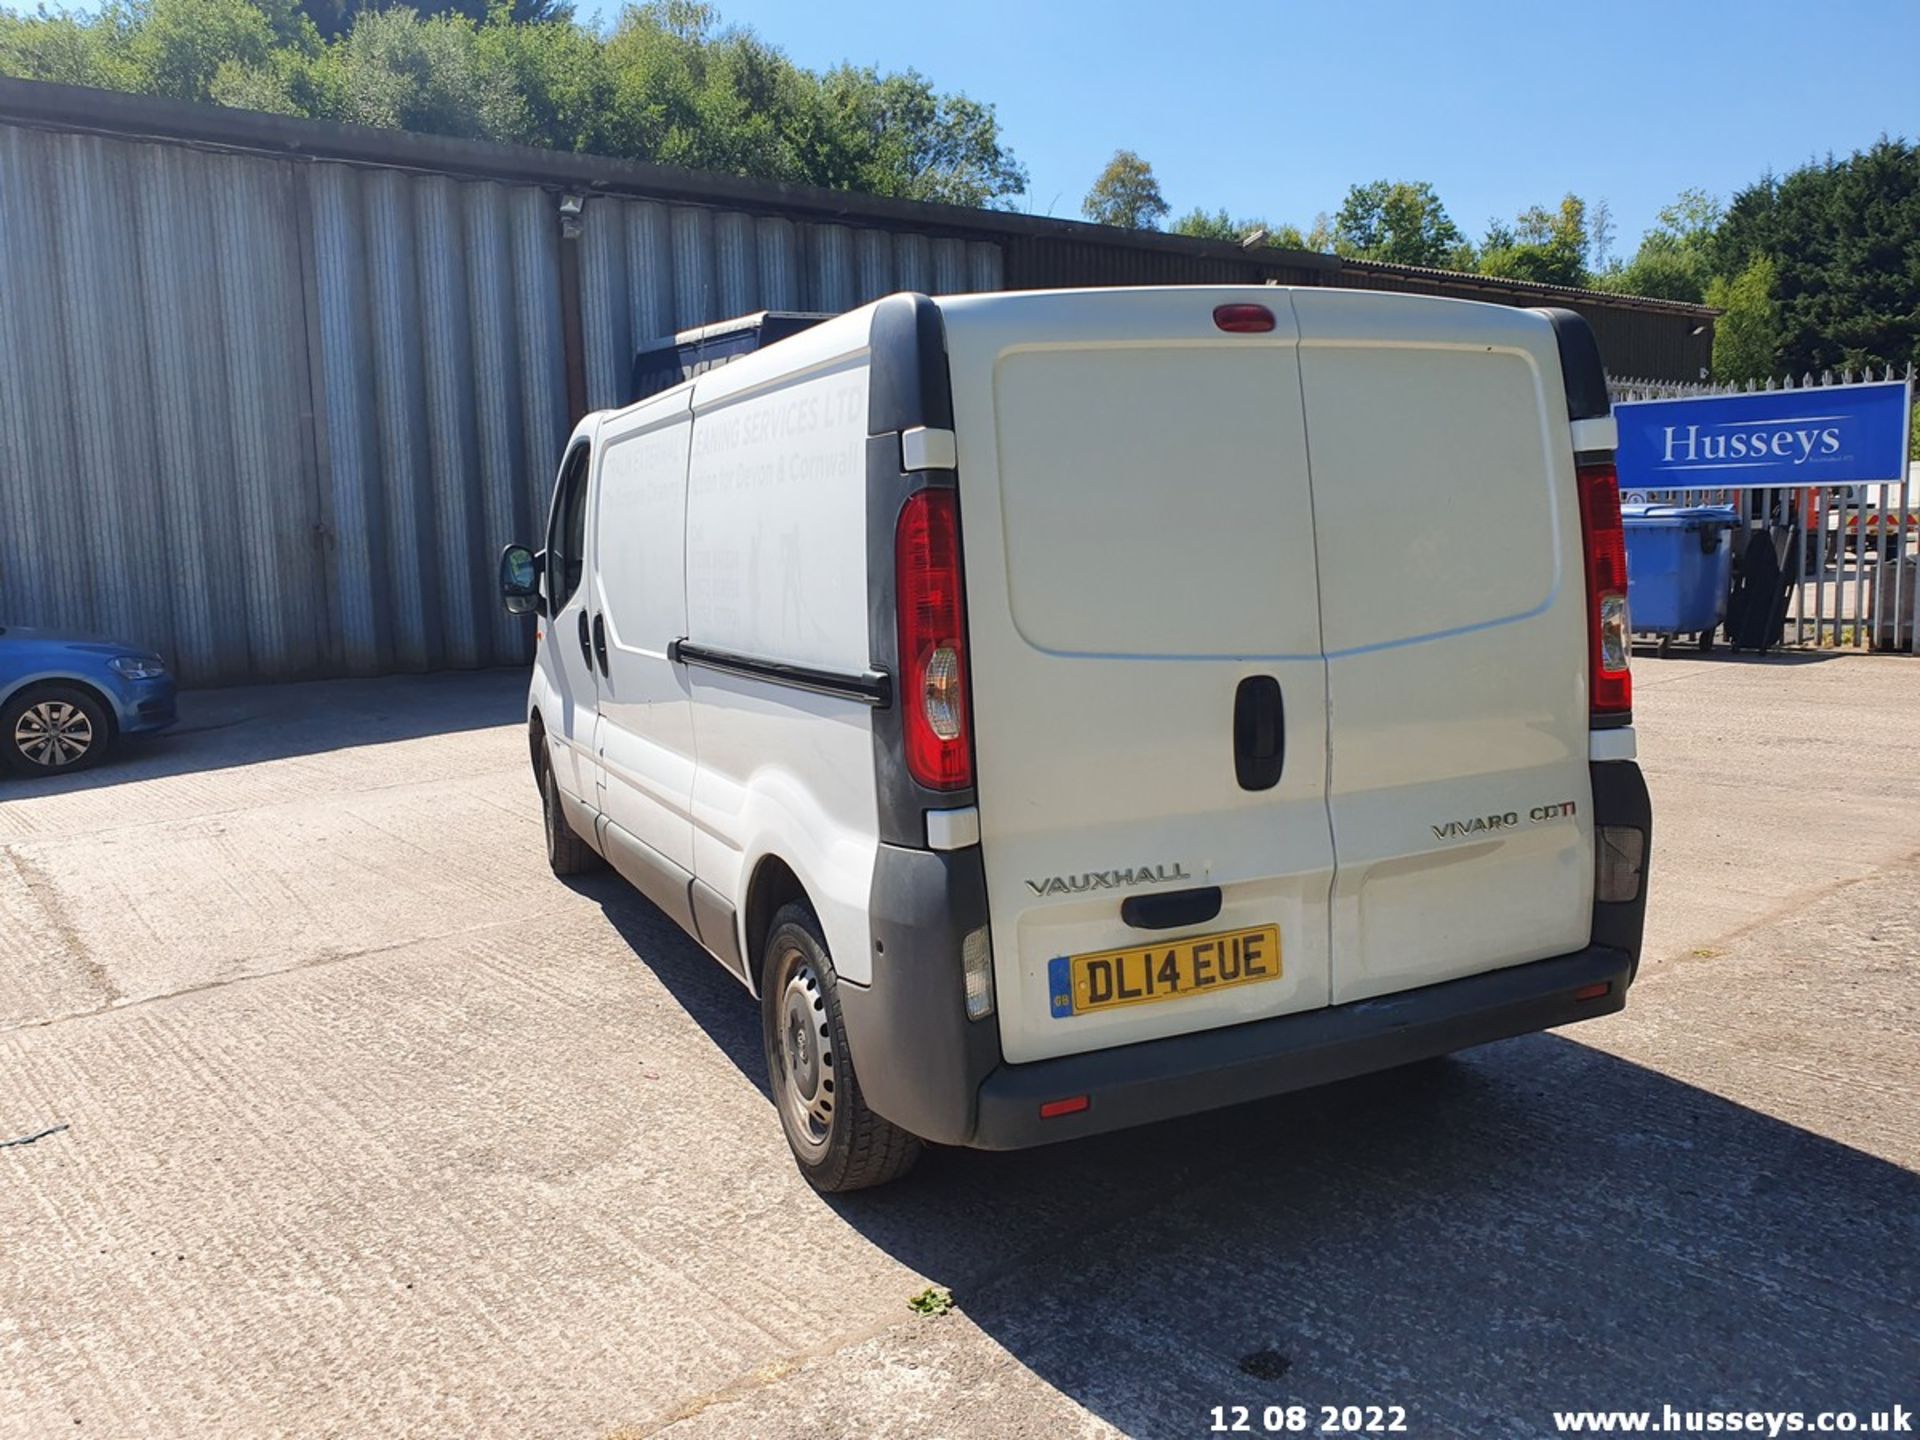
1531 1226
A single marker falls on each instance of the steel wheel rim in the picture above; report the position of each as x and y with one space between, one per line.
804 1061
53 733
549 812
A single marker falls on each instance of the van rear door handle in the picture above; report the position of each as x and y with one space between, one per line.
1259 733
1171 908
600 640
586 641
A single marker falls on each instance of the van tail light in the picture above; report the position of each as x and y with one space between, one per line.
1610 679
933 641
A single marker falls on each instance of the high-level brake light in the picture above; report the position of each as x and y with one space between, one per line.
1243 319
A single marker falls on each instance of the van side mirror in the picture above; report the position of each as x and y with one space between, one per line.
520 580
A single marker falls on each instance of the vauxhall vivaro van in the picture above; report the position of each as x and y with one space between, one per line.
1070 710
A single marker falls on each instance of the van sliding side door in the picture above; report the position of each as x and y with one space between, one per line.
639 610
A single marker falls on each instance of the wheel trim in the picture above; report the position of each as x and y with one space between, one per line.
53 733
805 1065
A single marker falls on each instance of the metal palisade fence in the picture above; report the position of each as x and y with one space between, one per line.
1848 551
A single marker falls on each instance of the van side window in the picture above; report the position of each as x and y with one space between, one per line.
567 530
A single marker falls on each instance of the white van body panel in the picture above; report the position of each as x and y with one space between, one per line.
646 748
790 775
1138 530
1454 615
777 568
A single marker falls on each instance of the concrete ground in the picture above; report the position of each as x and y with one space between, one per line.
359 1123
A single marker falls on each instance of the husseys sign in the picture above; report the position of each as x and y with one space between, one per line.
1835 435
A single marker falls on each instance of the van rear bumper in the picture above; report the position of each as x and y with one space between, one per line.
1160 1079
933 1072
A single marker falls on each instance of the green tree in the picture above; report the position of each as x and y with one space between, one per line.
898 136
670 83
1675 260
1844 236
334 18
1218 225
560 70
1547 247
177 47
1746 337
1399 221
402 70
1125 194
64 48
685 91
1201 224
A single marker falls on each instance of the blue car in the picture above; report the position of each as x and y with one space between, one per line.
65 699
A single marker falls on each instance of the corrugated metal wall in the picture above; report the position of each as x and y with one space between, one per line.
276 417
275 413
160 479
676 267
440 408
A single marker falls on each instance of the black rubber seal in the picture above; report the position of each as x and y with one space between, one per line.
1581 372
871 688
908 389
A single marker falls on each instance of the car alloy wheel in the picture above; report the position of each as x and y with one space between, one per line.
53 734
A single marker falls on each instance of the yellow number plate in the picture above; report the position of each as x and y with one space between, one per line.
1144 974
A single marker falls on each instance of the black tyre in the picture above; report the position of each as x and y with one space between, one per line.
53 730
838 1142
567 853
1706 642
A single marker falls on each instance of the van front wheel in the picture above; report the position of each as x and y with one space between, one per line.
839 1143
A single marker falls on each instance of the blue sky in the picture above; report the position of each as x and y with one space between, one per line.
1275 108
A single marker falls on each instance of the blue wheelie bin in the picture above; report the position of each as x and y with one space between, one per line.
1679 560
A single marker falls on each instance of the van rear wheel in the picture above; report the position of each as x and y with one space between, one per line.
839 1143
567 853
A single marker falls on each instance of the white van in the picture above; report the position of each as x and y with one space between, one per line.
1070 710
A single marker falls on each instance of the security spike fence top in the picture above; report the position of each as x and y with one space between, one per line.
1627 387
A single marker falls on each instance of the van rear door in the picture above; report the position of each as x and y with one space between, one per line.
1144 632
1453 610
